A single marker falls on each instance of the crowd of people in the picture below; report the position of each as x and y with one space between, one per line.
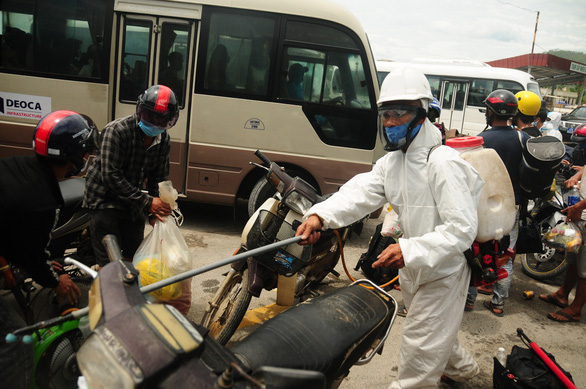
436 203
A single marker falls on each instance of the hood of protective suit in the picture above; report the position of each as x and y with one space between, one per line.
555 118
436 202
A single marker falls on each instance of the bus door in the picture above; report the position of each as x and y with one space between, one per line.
453 98
157 50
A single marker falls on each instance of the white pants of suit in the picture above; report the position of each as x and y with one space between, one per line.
429 346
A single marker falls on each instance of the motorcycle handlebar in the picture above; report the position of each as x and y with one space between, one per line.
263 158
109 241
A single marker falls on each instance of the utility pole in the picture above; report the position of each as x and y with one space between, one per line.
533 45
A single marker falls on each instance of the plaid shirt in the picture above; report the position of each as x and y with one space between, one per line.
116 176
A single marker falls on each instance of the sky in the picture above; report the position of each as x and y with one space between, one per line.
480 30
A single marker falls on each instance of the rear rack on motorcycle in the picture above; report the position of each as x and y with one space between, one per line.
269 228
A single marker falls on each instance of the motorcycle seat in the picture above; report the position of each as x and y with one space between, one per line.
327 334
72 192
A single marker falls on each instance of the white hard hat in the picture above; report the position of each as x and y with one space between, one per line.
405 84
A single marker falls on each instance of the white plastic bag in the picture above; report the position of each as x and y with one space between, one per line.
391 225
564 236
164 253
169 195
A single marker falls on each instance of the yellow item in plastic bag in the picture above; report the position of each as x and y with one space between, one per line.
564 236
153 270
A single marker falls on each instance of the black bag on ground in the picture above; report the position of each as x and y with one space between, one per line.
525 370
377 244
541 159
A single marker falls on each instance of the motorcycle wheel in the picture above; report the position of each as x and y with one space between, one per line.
544 266
57 368
228 307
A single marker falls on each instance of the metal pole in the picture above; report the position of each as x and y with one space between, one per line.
533 45
582 92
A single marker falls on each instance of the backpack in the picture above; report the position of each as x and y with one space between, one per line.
377 244
541 159
525 370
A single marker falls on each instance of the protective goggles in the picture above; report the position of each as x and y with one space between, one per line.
397 112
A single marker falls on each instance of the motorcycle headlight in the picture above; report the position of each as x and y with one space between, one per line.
298 202
101 369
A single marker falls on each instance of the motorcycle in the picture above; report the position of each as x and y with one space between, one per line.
71 235
294 269
54 348
546 213
137 344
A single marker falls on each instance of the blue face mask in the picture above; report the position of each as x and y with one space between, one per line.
397 135
150 130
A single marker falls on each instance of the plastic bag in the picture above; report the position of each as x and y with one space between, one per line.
564 236
391 225
169 195
164 253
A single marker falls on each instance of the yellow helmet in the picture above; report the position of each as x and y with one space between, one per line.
529 103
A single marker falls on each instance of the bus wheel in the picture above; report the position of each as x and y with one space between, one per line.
264 190
260 193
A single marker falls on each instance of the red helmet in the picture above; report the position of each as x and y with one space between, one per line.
502 102
579 134
65 135
158 106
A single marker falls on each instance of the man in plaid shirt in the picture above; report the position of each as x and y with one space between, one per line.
133 150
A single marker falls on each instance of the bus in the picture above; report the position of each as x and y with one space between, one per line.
231 64
462 86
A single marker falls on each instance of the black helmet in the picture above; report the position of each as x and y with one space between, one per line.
158 106
579 134
65 135
502 102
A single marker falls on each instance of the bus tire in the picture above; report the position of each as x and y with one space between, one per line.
261 191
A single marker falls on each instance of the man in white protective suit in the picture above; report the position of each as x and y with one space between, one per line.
436 201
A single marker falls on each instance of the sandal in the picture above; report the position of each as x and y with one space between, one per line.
468 307
402 311
569 319
548 298
493 307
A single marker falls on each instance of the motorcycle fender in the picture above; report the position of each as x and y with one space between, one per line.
259 278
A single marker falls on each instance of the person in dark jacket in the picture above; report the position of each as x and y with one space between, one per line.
508 143
30 200
134 150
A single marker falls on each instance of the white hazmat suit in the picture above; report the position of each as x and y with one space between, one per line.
436 201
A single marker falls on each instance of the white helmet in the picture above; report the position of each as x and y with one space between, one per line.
405 84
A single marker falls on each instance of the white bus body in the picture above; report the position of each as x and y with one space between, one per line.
462 87
228 63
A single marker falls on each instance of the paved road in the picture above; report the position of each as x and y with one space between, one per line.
213 234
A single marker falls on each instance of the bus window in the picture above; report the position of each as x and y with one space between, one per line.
434 83
64 39
135 59
239 52
479 91
173 58
509 85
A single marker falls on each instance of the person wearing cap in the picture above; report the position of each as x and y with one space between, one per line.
30 200
134 150
436 197
502 105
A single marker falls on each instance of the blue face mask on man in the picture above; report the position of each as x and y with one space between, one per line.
398 135
150 130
